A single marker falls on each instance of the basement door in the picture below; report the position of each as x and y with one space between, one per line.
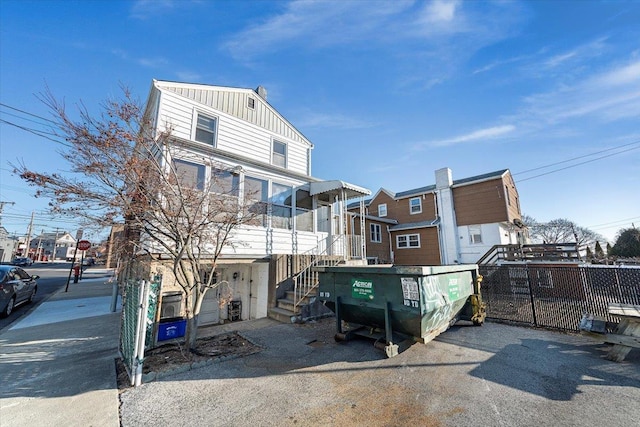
210 310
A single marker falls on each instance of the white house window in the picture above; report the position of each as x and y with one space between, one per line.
279 154
382 210
189 175
408 241
224 182
304 211
251 103
206 130
376 233
415 205
475 234
281 206
257 190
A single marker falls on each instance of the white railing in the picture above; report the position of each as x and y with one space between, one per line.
306 280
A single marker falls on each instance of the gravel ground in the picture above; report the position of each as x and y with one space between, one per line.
495 375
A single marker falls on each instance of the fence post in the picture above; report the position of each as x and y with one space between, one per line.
533 303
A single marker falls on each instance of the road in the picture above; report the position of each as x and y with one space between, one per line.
53 276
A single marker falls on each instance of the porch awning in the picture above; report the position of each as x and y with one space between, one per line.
336 187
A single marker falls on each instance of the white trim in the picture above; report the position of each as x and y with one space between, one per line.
419 199
380 208
377 233
194 126
408 246
273 152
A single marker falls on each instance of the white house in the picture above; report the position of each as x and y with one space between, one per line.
239 129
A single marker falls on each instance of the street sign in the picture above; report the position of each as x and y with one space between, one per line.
83 245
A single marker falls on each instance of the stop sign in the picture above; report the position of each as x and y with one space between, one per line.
83 245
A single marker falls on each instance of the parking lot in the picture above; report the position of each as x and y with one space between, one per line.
495 375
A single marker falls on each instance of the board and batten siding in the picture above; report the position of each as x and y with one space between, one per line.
234 134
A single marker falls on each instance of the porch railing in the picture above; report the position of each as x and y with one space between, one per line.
307 279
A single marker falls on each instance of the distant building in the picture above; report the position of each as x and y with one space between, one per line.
51 246
8 246
450 222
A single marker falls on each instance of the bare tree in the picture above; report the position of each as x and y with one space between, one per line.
122 169
561 231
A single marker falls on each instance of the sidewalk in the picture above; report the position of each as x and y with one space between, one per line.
57 364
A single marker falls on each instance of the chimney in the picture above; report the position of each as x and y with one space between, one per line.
262 92
443 178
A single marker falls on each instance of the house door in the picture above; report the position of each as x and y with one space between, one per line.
210 310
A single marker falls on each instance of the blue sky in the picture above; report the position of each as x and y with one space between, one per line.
387 91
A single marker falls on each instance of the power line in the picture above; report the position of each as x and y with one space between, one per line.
577 164
27 113
577 158
37 132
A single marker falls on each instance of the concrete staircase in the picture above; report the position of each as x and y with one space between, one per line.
286 312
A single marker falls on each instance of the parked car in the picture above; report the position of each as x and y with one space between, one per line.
88 261
22 261
16 287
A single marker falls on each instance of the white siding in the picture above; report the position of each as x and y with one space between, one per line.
234 134
492 234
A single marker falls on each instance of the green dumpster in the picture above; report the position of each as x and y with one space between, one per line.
417 301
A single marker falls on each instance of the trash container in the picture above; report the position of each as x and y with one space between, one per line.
171 329
393 303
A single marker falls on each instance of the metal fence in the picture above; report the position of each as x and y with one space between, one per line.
556 296
140 303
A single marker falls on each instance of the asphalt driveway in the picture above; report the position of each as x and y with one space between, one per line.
495 375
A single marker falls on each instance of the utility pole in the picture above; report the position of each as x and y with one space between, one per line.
29 234
55 246
39 248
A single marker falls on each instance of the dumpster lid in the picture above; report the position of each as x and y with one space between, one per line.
416 270
335 186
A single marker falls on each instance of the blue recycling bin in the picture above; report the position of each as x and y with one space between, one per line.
171 330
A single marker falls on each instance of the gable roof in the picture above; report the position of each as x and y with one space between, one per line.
233 101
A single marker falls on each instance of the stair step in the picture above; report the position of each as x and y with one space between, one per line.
287 304
312 294
282 315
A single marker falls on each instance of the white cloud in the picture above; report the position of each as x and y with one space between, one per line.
316 23
323 120
152 62
188 76
628 74
477 135
610 95
440 11
146 9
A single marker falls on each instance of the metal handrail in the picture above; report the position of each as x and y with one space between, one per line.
306 280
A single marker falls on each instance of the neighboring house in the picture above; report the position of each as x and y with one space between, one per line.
51 246
239 129
7 246
447 223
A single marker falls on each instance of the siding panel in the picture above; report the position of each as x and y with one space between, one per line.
480 203
427 254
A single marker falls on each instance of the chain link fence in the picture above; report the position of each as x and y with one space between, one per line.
140 304
556 296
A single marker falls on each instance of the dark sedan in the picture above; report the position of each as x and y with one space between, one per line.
22 261
16 287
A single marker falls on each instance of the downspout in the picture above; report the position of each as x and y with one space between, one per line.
391 254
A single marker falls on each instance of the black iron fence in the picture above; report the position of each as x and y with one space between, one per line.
556 296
